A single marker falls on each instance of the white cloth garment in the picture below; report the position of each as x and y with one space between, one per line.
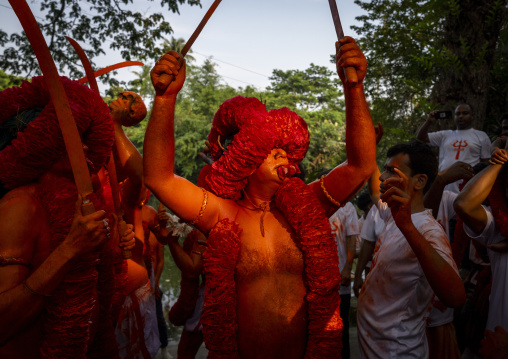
468 146
344 223
498 307
372 228
396 300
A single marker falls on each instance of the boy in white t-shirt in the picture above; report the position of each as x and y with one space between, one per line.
412 260
480 224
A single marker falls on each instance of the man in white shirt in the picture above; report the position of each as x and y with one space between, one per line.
462 144
345 229
480 224
412 260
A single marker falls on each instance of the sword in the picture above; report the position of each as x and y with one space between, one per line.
66 121
165 79
349 72
113 180
111 68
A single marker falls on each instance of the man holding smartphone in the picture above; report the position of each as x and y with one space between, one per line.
464 144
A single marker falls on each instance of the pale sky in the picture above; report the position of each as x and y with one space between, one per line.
258 36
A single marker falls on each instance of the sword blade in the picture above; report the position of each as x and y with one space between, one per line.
113 180
86 64
111 68
200 27
165 79
336 19
66 121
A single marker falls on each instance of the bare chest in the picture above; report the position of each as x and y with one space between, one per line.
275 253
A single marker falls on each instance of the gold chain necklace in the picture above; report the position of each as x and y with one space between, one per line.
263 207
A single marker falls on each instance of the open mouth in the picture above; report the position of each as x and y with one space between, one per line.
287 171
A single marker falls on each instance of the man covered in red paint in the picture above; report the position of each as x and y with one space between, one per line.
48 251
271 265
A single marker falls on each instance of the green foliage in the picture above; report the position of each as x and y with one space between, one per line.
430 54
7 81
92 23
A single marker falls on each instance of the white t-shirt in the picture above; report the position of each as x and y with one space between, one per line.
396 297
361 221
372 227
344 223
440 314
468 146
498 307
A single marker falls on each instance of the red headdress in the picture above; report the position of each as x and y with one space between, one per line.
255 133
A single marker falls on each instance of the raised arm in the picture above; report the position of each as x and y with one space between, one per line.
129 158
423 131
459 170
468 203
443 279
346 179
181 196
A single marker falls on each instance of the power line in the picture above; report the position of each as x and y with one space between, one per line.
198 53
227 63
10 8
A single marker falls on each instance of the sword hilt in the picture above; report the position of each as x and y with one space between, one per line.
351 77
122 227
165 79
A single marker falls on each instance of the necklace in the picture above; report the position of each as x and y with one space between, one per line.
263 206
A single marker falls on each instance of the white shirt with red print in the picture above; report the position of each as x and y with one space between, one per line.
468 146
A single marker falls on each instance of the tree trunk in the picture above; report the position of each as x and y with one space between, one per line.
471 33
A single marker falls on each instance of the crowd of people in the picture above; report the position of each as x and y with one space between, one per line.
268 260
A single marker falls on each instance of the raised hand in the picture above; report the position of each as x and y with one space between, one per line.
348 54
499 157
168 65
459 170
431 118
398 198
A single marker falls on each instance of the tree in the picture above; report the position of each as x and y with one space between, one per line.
9 80
92 23
315 94
430 54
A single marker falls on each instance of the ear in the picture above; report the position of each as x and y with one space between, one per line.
420 181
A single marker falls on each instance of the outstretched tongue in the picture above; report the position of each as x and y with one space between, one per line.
287 171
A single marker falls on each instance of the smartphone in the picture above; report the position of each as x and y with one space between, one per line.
443 114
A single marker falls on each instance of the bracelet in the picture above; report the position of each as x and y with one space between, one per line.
330 198
202 210
197 252
33 291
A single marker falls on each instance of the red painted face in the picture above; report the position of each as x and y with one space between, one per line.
268 171
135 105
